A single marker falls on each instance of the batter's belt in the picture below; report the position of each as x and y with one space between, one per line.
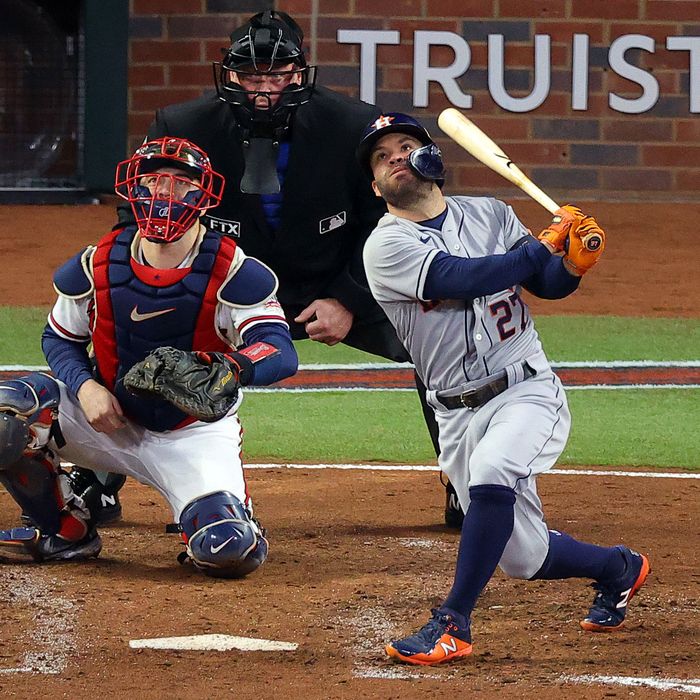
474 398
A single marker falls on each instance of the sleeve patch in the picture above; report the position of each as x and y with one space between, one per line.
251 284
73 279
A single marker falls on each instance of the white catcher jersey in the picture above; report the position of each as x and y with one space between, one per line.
452 342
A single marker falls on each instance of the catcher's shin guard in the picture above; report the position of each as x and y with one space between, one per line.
28 468
223 540
33 399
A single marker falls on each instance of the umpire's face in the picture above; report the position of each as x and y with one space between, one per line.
265 83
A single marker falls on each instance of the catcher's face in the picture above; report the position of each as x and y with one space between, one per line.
169 183
169 203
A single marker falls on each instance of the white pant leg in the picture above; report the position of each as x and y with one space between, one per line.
182 465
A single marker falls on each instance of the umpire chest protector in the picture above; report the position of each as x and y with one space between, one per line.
140 308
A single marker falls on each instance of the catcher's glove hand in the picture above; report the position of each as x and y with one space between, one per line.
566 220
581 255
203 385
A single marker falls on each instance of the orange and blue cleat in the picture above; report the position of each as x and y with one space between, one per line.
445 637
607 614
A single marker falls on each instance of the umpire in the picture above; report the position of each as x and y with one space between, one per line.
295 197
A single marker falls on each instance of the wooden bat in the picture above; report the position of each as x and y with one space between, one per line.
472 139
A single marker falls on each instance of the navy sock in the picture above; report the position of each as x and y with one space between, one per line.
487 527
569 558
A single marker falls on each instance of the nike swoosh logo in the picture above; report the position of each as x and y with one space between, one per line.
136 316
216 549
425 240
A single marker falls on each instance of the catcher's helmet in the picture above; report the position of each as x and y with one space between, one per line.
269 42
167 205
426 161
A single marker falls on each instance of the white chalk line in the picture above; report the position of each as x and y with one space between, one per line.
50 641
321 367
683 685
330 389
435 468
213 642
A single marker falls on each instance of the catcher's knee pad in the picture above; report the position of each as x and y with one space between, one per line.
223 540
33 399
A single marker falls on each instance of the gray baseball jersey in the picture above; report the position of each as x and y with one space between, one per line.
459 344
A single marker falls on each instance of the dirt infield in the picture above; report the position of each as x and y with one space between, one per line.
358 557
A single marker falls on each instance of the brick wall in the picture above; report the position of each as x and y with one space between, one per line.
596 153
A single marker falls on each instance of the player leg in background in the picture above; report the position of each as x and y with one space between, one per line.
100 490
29 469
379 338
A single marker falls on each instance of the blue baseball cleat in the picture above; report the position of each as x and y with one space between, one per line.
607 614
23 541
445 637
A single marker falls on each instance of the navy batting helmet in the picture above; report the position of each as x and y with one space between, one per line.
426 161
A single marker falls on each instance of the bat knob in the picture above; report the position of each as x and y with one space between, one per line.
592 241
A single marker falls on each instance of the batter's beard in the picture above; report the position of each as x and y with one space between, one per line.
405 193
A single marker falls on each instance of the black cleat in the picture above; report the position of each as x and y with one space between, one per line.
29 541
454 515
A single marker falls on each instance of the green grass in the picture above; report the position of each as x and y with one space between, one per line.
565 338
610 428
20 335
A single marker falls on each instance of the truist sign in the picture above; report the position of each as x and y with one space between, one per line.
447 76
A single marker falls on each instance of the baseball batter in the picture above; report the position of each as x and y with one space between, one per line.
448 272
166 281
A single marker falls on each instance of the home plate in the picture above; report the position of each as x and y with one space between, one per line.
212 642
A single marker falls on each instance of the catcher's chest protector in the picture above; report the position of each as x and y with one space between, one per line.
139 308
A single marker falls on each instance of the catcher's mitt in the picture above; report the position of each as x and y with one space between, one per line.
566 220
203 385
580 257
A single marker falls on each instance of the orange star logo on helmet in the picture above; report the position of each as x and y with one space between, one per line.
383 122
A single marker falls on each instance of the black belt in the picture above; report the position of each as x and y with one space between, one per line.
474 398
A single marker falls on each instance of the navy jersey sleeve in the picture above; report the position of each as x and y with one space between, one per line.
68 360
451 277
552 281
276 367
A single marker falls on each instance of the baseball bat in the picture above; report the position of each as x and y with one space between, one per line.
472 139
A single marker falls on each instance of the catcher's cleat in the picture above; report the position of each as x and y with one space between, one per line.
607 614
101 499
22 541
454 515
445 637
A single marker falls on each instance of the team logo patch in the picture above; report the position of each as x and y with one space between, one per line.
382 122
332 222
224 226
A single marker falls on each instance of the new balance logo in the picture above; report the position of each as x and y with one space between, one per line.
108 500
625 598
448 648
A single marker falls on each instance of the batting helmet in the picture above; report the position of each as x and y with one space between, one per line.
426 161
268 42
163 213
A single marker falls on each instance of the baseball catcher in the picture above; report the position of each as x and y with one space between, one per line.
180 320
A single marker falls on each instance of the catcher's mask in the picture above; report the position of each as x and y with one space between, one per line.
169 183
262 51
425 161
